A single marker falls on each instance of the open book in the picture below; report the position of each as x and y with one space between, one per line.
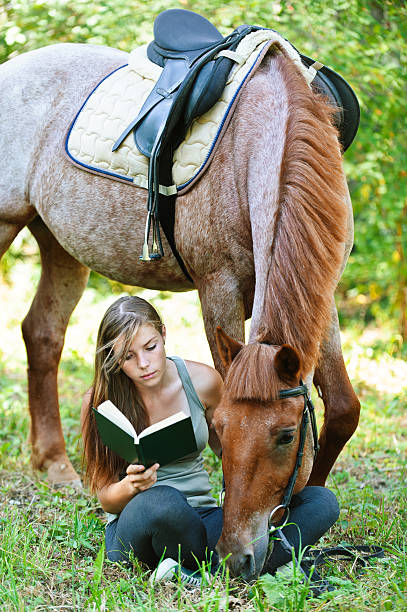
163 442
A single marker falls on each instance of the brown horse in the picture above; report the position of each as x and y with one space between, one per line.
264 233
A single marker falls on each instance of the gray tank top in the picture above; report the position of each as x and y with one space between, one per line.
188 474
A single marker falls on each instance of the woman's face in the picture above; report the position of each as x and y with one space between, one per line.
145 362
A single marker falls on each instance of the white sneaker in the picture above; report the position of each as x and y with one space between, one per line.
169 569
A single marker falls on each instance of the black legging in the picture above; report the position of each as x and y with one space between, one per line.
160 520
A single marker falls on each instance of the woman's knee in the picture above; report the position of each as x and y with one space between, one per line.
321 501
327 498
159 495
154 504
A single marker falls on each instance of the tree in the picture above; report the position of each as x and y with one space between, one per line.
363 40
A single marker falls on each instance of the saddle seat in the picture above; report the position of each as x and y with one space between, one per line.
181 34
185 45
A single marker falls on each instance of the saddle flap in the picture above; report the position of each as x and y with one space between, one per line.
146 134
202 96
341 95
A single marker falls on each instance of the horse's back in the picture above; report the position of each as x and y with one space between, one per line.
37 77
34 88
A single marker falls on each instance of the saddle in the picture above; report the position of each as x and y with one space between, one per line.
196 61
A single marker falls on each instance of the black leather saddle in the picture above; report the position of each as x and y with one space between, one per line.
194 75
186 46
189 49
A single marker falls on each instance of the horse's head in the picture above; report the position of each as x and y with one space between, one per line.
260 436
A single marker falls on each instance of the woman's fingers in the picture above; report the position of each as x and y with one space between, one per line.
134 468
152 471
140 478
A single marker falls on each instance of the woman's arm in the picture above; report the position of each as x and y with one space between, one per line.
114 496
214 441
208 384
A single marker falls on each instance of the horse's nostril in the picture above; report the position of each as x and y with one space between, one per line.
250 565
245 566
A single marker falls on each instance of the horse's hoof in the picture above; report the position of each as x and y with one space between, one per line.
61 473
74 484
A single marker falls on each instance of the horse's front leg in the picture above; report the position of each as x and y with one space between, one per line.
341 404
62 282
222 304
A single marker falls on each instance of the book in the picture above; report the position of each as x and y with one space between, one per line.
168 440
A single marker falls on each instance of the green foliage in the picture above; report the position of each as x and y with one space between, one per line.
364 40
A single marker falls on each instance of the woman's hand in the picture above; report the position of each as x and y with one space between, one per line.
116 495
141 479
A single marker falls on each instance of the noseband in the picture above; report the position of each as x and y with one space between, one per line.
308 415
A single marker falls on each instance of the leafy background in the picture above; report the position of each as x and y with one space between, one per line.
363 40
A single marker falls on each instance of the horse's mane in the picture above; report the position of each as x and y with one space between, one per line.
251 375
308 244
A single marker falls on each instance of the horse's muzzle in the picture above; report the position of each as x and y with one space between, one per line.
247 562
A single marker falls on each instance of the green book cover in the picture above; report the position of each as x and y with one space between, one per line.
162 442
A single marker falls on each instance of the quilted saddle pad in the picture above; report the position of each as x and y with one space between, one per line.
117 99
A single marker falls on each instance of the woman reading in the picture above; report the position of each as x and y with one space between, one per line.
163 515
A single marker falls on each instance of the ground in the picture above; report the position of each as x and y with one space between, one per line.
50 539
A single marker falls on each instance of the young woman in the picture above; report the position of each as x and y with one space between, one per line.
166 513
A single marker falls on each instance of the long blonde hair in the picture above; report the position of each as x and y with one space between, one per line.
121 321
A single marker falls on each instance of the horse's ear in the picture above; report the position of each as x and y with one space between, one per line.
228 348
287 362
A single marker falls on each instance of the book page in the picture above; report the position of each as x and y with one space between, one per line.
174 418
111 412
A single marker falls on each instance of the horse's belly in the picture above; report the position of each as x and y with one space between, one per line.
106 234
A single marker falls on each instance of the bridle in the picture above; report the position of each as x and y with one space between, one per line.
358 554
308 415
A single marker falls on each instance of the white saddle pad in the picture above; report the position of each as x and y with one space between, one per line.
117 99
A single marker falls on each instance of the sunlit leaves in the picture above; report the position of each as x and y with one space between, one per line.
364 40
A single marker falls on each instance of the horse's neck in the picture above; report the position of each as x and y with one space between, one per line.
295 190
261 122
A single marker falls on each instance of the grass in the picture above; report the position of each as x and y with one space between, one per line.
51 551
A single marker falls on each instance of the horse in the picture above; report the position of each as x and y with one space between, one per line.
265 233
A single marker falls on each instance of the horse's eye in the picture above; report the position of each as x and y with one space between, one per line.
218 427
285 438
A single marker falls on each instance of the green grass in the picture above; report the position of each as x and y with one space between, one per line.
51 552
